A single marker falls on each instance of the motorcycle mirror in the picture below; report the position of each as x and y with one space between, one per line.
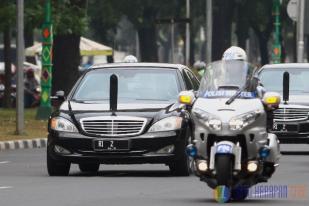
272 100
186 97
286 87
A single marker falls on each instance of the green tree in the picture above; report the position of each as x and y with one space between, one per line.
103 17
261 21
33 14
33 20
7 16
198 16
242 23
70 22
143 14
222 26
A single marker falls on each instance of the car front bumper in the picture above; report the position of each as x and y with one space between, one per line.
293 138
299 136
142 149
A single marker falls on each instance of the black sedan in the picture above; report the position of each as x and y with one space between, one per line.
122 113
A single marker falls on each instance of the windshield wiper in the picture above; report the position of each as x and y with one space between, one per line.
237 94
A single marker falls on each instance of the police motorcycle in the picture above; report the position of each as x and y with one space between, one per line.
231 147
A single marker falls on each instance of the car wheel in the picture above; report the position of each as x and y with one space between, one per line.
56 167
181 166
89 167
224 169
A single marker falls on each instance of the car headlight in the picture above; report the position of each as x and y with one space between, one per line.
166 124
62 124
241 121
210 121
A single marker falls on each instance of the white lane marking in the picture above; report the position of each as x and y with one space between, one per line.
4 162
5 187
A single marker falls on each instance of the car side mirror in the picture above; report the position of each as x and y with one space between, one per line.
57 100
271 100
186 97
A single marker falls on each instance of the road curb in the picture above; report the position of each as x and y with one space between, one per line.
23 144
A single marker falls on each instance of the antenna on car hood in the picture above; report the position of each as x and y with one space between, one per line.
286 87
113 93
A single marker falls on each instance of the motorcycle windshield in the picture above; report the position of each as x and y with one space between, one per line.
225 78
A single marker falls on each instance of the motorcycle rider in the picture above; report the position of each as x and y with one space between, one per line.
200 66
237 53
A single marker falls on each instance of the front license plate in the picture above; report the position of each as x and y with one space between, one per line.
224 149
111 145
277 127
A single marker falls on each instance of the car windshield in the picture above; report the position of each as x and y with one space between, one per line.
272 79
133 85
224 78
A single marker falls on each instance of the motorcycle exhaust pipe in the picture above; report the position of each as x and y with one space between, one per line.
113 93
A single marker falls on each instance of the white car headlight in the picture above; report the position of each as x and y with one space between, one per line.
62 124
210 120
241 121
166 124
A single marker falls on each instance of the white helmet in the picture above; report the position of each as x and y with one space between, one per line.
234 53
130 59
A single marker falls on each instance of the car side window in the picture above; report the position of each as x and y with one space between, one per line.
189 85
194 81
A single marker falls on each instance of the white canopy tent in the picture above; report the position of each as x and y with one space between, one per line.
87 48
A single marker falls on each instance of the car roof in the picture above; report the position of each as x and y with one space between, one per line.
286 66
141 65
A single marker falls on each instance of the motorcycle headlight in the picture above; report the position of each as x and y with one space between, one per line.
210 121
62 125
241 121
166 124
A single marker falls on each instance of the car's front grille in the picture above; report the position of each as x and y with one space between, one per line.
113 125
291 114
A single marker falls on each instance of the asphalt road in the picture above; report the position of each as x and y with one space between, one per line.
24 181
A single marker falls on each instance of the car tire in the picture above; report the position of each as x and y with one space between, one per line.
224 169
89 167
56 167
181 166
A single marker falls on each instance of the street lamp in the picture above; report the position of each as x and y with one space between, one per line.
20 68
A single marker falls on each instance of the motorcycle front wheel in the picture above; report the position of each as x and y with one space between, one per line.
224 169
